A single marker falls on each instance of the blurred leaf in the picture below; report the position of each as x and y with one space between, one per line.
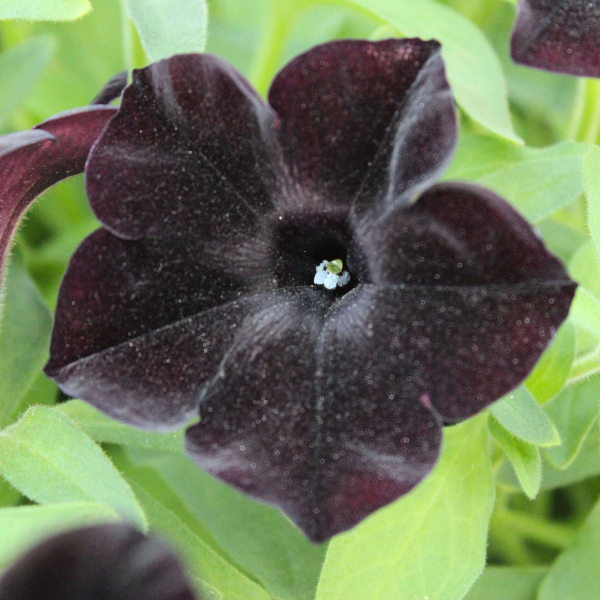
257 537
103 429
20 68
535 181
44 10
169 27
473 68
591 178
552 371
585 268
24 526
574 412
214 576
50 460
429 544
525 458
25 325
89 53
585 465
585 311
575 574
507 583
522 416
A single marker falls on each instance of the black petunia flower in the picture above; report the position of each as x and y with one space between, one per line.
291 272
558 35
104 562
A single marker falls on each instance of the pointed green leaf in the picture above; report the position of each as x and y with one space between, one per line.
522 416
169 27
50 460
524 457
105 430
536 181
431 543
552 371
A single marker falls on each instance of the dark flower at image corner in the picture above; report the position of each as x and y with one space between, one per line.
292 273
558 35
108 562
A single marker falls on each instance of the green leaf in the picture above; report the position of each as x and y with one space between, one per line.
473 68
20 68
574 412
257 537
169 27
431 543
591 178
44 10
515 583
50 460
584 267
552 371
537 182
25 325
585 311
214 576
575 574
525 458
585 465
24 526
105 430
522 416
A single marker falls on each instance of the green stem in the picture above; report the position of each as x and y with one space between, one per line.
585 123
538 530
127 38
578 110
280 20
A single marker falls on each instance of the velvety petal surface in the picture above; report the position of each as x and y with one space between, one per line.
558 35
141 326
106 562
32 161
190 151
487 296
365 122
309 413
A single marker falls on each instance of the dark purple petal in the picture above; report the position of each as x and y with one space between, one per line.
492 296
32 161
456 234
141 326
558 35
311 414
369 122
107 562
189 151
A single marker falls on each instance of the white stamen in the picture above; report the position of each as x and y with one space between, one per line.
328 279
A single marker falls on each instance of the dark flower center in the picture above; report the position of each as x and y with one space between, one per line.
303 242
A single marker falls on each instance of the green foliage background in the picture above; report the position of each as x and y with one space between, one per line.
516 488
